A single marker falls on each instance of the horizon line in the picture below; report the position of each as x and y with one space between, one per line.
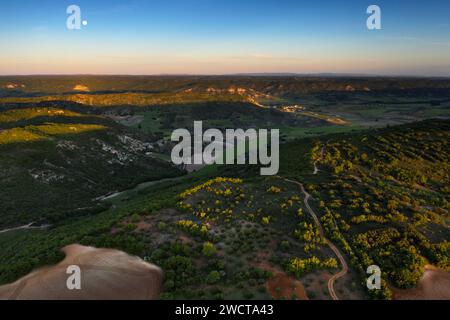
250 74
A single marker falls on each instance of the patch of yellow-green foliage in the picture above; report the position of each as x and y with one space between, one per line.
136 99
30 113
191 227
42 132
209 249
61 129
208 186
18 135
300 266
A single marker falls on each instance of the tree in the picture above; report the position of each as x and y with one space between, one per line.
209 249
213 277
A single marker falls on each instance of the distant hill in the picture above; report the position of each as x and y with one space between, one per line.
278 85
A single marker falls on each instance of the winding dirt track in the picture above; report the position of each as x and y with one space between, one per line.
25 227
322 235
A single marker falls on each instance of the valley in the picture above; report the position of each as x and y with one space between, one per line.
363 180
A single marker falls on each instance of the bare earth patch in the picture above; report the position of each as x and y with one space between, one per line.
348 287
143 226
315 284
80 87
337 121
282 286
106 274
434 285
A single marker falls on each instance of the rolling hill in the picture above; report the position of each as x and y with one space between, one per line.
372 189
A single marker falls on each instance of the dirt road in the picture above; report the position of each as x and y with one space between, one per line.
25 227
329 243
316 169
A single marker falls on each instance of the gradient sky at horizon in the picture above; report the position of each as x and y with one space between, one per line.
224 37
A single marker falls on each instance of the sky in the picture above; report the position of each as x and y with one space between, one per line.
225 37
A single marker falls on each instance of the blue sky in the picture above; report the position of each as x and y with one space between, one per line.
220 37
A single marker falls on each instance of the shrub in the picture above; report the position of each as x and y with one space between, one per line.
265 220
213 277
274 190
209 249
